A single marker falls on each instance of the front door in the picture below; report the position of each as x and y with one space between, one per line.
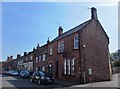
56 74
50 69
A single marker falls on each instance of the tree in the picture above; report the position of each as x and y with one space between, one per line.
116 63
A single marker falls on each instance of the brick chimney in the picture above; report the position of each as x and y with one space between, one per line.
48 41
60 30
25 53
8 58
18 55
94 13
11 57
38 45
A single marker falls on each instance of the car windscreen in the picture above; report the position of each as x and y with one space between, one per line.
25 71
41 73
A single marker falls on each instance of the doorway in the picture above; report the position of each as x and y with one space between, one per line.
50 69
56 74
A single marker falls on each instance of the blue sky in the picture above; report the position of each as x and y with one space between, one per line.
26 24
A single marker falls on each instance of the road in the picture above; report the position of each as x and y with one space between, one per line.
17 83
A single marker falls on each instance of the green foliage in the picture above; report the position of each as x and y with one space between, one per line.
116 63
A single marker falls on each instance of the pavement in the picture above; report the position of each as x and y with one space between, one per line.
113 83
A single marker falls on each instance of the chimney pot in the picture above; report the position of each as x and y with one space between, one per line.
60 31
94 13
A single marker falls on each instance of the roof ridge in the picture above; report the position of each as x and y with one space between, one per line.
72 29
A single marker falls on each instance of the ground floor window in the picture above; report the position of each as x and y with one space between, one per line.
43 68
36 69
69 67
64 66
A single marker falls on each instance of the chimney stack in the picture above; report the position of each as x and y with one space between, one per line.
34 49
8 58
48 41
25 53
60 31
18 55
38 46
94 13
11 57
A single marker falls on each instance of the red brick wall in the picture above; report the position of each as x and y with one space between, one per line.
96 52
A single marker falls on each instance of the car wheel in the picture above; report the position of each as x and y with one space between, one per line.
39 82
31 80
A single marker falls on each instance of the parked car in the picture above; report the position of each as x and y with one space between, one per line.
24 74
6 72
41 77
13 72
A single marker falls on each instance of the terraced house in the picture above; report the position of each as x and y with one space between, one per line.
81 54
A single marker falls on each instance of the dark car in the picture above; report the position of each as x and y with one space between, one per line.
24 74
41 77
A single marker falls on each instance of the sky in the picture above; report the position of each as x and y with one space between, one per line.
26 24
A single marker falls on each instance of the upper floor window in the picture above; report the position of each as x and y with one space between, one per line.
39 58
44 57
36 59
31 57
76 42
61 47
26 59
51 50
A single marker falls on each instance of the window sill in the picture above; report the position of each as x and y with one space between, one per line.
68 75
76 48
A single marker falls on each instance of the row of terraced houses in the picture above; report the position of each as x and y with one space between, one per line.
81 54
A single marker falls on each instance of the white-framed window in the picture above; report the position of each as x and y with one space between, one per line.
62 46
76 42
51 50
68 67
36 69
43 68
36 59
31 57
59 47
26 59
40 58
72 66
43 57
64 66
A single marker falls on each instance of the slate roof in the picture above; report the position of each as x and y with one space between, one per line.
75 29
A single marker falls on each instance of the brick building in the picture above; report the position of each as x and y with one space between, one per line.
25 62
81 54
40 58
